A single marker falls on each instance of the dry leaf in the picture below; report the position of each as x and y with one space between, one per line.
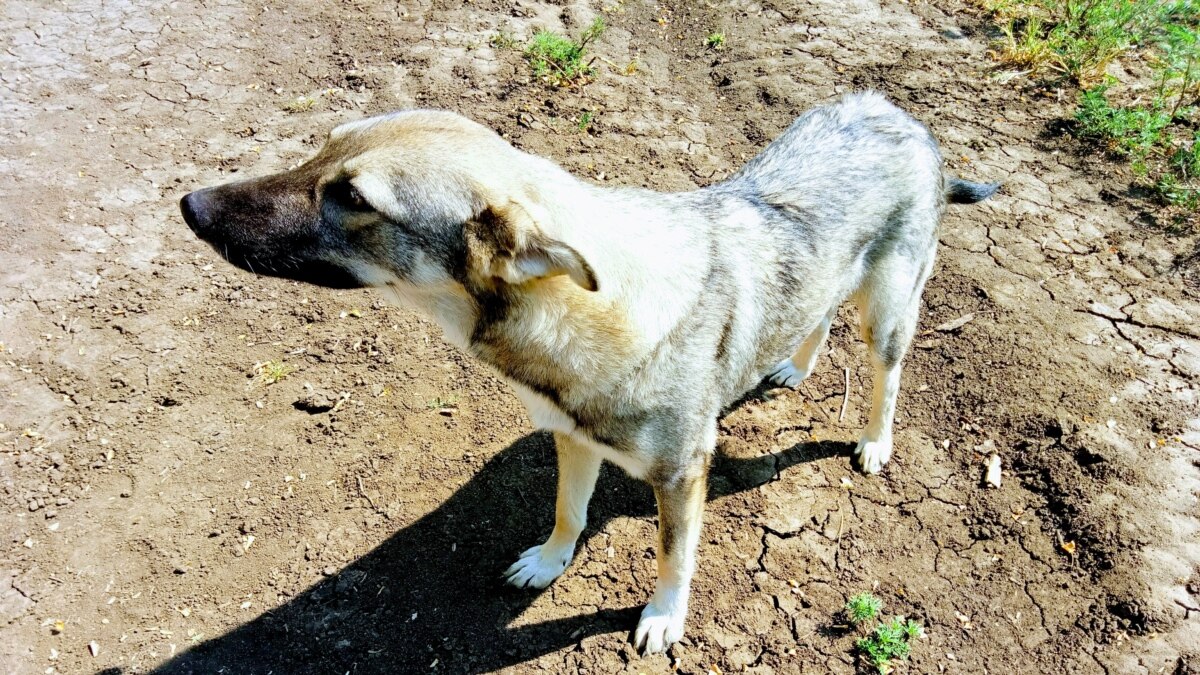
955 324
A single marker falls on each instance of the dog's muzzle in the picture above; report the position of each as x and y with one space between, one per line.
265 233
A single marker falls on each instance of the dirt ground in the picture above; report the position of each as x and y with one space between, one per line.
162 510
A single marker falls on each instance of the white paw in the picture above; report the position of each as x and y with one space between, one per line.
870 456
538 566
787 375
659 628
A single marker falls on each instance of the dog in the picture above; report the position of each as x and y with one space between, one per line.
625 320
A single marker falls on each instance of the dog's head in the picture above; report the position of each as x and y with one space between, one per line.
422 198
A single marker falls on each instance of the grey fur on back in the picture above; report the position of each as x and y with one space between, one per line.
844 186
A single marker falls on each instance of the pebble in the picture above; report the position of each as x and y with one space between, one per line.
993 472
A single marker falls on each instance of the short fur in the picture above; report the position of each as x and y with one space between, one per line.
624 319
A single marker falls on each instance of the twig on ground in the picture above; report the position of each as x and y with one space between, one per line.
362 491
845 394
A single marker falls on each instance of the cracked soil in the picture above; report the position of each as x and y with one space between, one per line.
161 510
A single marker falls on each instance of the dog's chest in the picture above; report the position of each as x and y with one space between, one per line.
544 415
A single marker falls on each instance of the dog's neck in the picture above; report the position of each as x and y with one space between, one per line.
550 334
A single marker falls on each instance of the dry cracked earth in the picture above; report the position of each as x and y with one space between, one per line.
164 510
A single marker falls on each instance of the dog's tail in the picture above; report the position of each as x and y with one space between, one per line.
959 191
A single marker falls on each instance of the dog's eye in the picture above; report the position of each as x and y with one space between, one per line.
347 196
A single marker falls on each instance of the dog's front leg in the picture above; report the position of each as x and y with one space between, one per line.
578 468
680 514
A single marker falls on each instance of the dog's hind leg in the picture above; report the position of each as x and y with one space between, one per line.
889 301
791 372
680 515
578 468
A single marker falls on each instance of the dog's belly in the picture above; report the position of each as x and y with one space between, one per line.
546 416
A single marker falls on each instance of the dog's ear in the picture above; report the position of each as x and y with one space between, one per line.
517 251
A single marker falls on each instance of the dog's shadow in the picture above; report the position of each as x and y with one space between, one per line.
433 591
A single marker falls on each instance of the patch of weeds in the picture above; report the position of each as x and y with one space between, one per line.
300 104
1152 122
559 60
1132 132
631 68
585 121
271 372
891 641
1156 139
715 40
1078 39
862 607
503 40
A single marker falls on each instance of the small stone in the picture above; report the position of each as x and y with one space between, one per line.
992 478
316 401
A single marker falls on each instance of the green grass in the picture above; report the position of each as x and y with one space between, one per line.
891 641
1078 39
1133 132
1156 137
862 607
715 40
1151 120
559 60
585 121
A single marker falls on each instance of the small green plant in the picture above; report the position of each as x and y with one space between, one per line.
1132 132
271 372
892 640
862 607
585 121
715 40
559 60
503 40
300 104
442 404
1180 186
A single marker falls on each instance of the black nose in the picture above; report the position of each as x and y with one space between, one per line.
194 206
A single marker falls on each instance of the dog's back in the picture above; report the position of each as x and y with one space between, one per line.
845 171
856 140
